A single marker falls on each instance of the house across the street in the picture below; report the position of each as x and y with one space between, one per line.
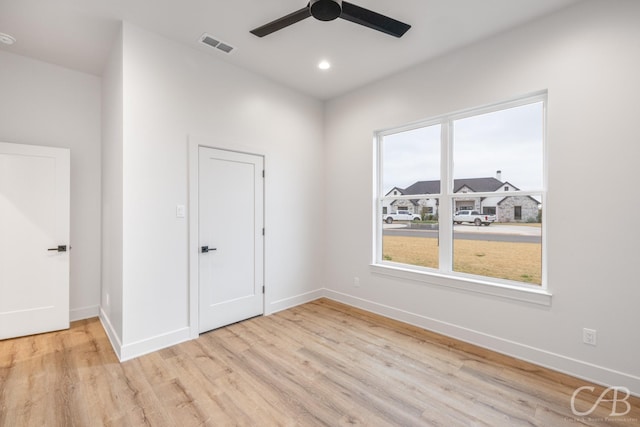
506 208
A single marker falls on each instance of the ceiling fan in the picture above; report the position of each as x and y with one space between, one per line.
328 10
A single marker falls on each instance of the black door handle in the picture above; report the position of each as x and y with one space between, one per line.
205 249
60 248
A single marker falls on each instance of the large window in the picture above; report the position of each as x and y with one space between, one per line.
477 177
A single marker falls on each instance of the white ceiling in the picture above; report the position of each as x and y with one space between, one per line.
78 34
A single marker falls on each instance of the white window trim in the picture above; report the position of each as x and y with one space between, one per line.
517 291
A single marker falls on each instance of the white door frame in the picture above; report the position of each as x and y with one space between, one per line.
194 232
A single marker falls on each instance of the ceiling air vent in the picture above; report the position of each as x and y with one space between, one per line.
214 43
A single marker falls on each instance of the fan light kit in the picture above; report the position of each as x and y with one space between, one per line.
7 39
328 10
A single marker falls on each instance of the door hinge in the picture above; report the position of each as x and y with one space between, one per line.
263 289
263 173
263 231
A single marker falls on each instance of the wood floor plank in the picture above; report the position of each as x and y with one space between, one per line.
261 377
319 364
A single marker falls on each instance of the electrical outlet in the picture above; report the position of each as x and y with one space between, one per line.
107 300
589 336
356 282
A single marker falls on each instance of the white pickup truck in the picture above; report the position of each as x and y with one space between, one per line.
400 216
474 217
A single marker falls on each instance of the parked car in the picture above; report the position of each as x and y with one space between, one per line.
401 216
473 217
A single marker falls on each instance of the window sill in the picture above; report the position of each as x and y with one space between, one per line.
513 292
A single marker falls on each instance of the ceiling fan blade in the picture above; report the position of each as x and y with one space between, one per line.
373 20
281 23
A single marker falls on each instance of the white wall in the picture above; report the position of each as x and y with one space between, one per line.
172 91
588 58
112 190
43 104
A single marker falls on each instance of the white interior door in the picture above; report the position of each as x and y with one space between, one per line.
230 221
34 239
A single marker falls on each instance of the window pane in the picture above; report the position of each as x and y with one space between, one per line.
411 165
409 158
510 249
407 240
503 149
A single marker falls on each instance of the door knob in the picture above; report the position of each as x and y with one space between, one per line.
60 248
205 249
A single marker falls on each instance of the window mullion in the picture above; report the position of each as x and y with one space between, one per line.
444 211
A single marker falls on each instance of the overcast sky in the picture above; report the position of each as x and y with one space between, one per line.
507 140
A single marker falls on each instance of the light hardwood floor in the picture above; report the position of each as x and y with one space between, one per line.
322 363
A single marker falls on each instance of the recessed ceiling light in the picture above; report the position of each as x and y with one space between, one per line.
324 65
7 39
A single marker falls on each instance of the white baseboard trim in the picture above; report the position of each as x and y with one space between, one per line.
159 342
286 303
84 313
111 333
557 362
142 347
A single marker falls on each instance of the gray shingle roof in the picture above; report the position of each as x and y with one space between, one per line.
474 184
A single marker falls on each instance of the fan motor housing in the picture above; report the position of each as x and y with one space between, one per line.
326 10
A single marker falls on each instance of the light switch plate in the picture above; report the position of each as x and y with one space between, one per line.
180 211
